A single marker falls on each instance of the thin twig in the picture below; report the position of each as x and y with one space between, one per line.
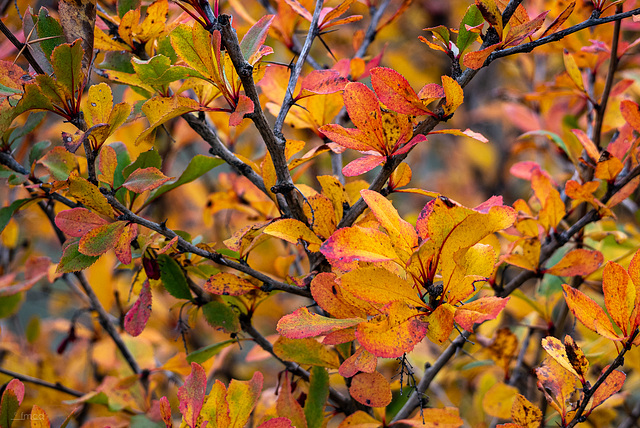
270 284
275 145
430 373
34 380
21 48
613 66
208 134
297 69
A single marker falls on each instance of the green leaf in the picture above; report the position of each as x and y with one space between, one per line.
7 212
10 304
125 6
72 259
472 18
173 278
38 150
48 26
88 194
148 159
204 354
306 352
66 61
158 71
220 315
123 159
198 166
318 394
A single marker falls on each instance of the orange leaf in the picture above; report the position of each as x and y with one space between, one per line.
558 386
360 419
559 20
228 284
476 59
589 313
448 417
243 107
622 194
578 262
620 297
292 230
302 324
631 113
371 389
612 384
483 309
361 361
466 133
491 14
331 298
608 168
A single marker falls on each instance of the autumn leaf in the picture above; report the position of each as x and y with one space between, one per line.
306 351
370 389
577 262
576 364
302 324
145 179
292 230
228 284
11 399
611 385
192 394
485 308
589 313
77 222
137 317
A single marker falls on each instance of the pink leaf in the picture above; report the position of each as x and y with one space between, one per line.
363 164
191 395
321 82
137 317
485 308
78 221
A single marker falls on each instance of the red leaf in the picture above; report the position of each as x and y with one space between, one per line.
363 164
244 106
302 324
612 384
165 412
137 317
78 221
321 82
191 395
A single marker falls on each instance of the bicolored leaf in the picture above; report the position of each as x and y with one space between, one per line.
191 395
288 406
77 222
292 230
137 317
228 284
568 355
302 324
254 39
620 297
59 162
11 399
358 244
39 418
589 313
466 133
321 82
577 262
330 296
472 18
306 352
165 411
101 239
145 179
242 398
370 389
478 311
89 195
159 110
558 385
491 14
72 259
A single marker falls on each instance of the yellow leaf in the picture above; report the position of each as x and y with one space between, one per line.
499 399
228 284
379 286
525 414
161 109
89 195
453 93
572 69
292 230
99 104
403 236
